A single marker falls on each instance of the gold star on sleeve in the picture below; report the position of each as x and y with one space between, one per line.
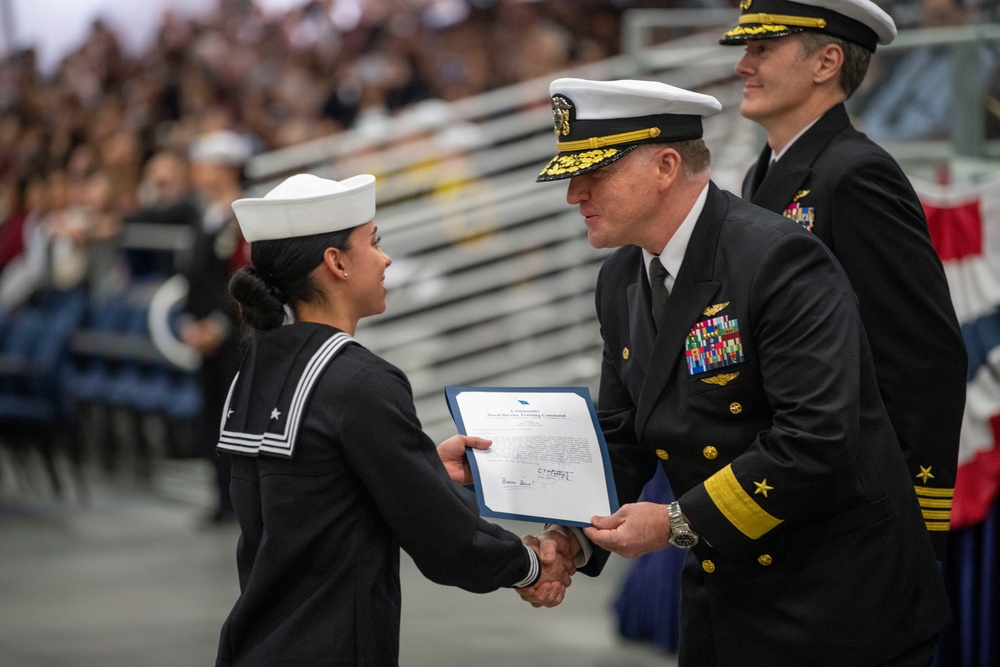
925 474
762 488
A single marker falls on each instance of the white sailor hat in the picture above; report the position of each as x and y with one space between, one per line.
858 21
303 205
221 147
598 122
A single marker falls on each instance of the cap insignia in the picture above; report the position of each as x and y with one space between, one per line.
745 4
561 108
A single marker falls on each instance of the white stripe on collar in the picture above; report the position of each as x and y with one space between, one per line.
282 444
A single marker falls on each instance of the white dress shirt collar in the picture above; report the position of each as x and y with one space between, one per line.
777 156
672 255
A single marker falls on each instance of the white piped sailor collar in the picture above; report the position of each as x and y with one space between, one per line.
246 432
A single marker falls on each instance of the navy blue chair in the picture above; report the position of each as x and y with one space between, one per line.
35 409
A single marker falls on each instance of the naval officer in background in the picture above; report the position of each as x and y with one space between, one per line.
802 61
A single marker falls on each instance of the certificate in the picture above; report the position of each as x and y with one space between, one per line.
548 461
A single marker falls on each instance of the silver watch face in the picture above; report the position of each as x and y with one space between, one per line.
680 534
684 540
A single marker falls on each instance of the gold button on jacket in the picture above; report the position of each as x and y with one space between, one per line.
710 452
735 408
765 559
662 453
708 566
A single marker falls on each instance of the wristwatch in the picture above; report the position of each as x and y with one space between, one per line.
681 534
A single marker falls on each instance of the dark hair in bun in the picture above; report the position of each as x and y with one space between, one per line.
280 275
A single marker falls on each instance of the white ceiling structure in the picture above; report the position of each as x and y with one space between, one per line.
54 27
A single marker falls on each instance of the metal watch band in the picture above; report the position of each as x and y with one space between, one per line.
681 534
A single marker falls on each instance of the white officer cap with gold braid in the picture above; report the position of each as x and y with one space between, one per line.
303 205
858 21
598 122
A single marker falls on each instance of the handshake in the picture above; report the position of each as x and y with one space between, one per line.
557 548
635 529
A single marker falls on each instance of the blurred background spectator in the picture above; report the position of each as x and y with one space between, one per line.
209 322
903 99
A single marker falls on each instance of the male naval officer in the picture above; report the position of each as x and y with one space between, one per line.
802 61
734 356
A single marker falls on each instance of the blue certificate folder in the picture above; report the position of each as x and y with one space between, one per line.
452 393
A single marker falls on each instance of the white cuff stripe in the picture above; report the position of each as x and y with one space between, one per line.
533 572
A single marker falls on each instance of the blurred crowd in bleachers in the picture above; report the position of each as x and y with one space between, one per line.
103 143
74 143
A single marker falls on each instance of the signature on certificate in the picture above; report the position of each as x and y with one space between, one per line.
542 475
515 483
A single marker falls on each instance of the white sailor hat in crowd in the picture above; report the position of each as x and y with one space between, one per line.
598 122
858 21
221 147
303 205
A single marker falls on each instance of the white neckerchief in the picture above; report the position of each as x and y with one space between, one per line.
673 253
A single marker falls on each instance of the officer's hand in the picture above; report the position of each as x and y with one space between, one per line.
633 530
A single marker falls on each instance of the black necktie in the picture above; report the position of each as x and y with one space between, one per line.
759 174
658 288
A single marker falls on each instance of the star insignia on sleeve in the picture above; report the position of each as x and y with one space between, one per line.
275 414
762 488
925 474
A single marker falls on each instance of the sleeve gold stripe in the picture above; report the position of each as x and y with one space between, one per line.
934 493
737 505
938 525
930 502
934 514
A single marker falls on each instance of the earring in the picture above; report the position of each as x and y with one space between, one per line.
345 275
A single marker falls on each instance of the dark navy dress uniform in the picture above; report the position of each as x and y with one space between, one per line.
853 195
331 476
757 395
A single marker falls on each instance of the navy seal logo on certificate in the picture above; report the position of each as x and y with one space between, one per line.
548 461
